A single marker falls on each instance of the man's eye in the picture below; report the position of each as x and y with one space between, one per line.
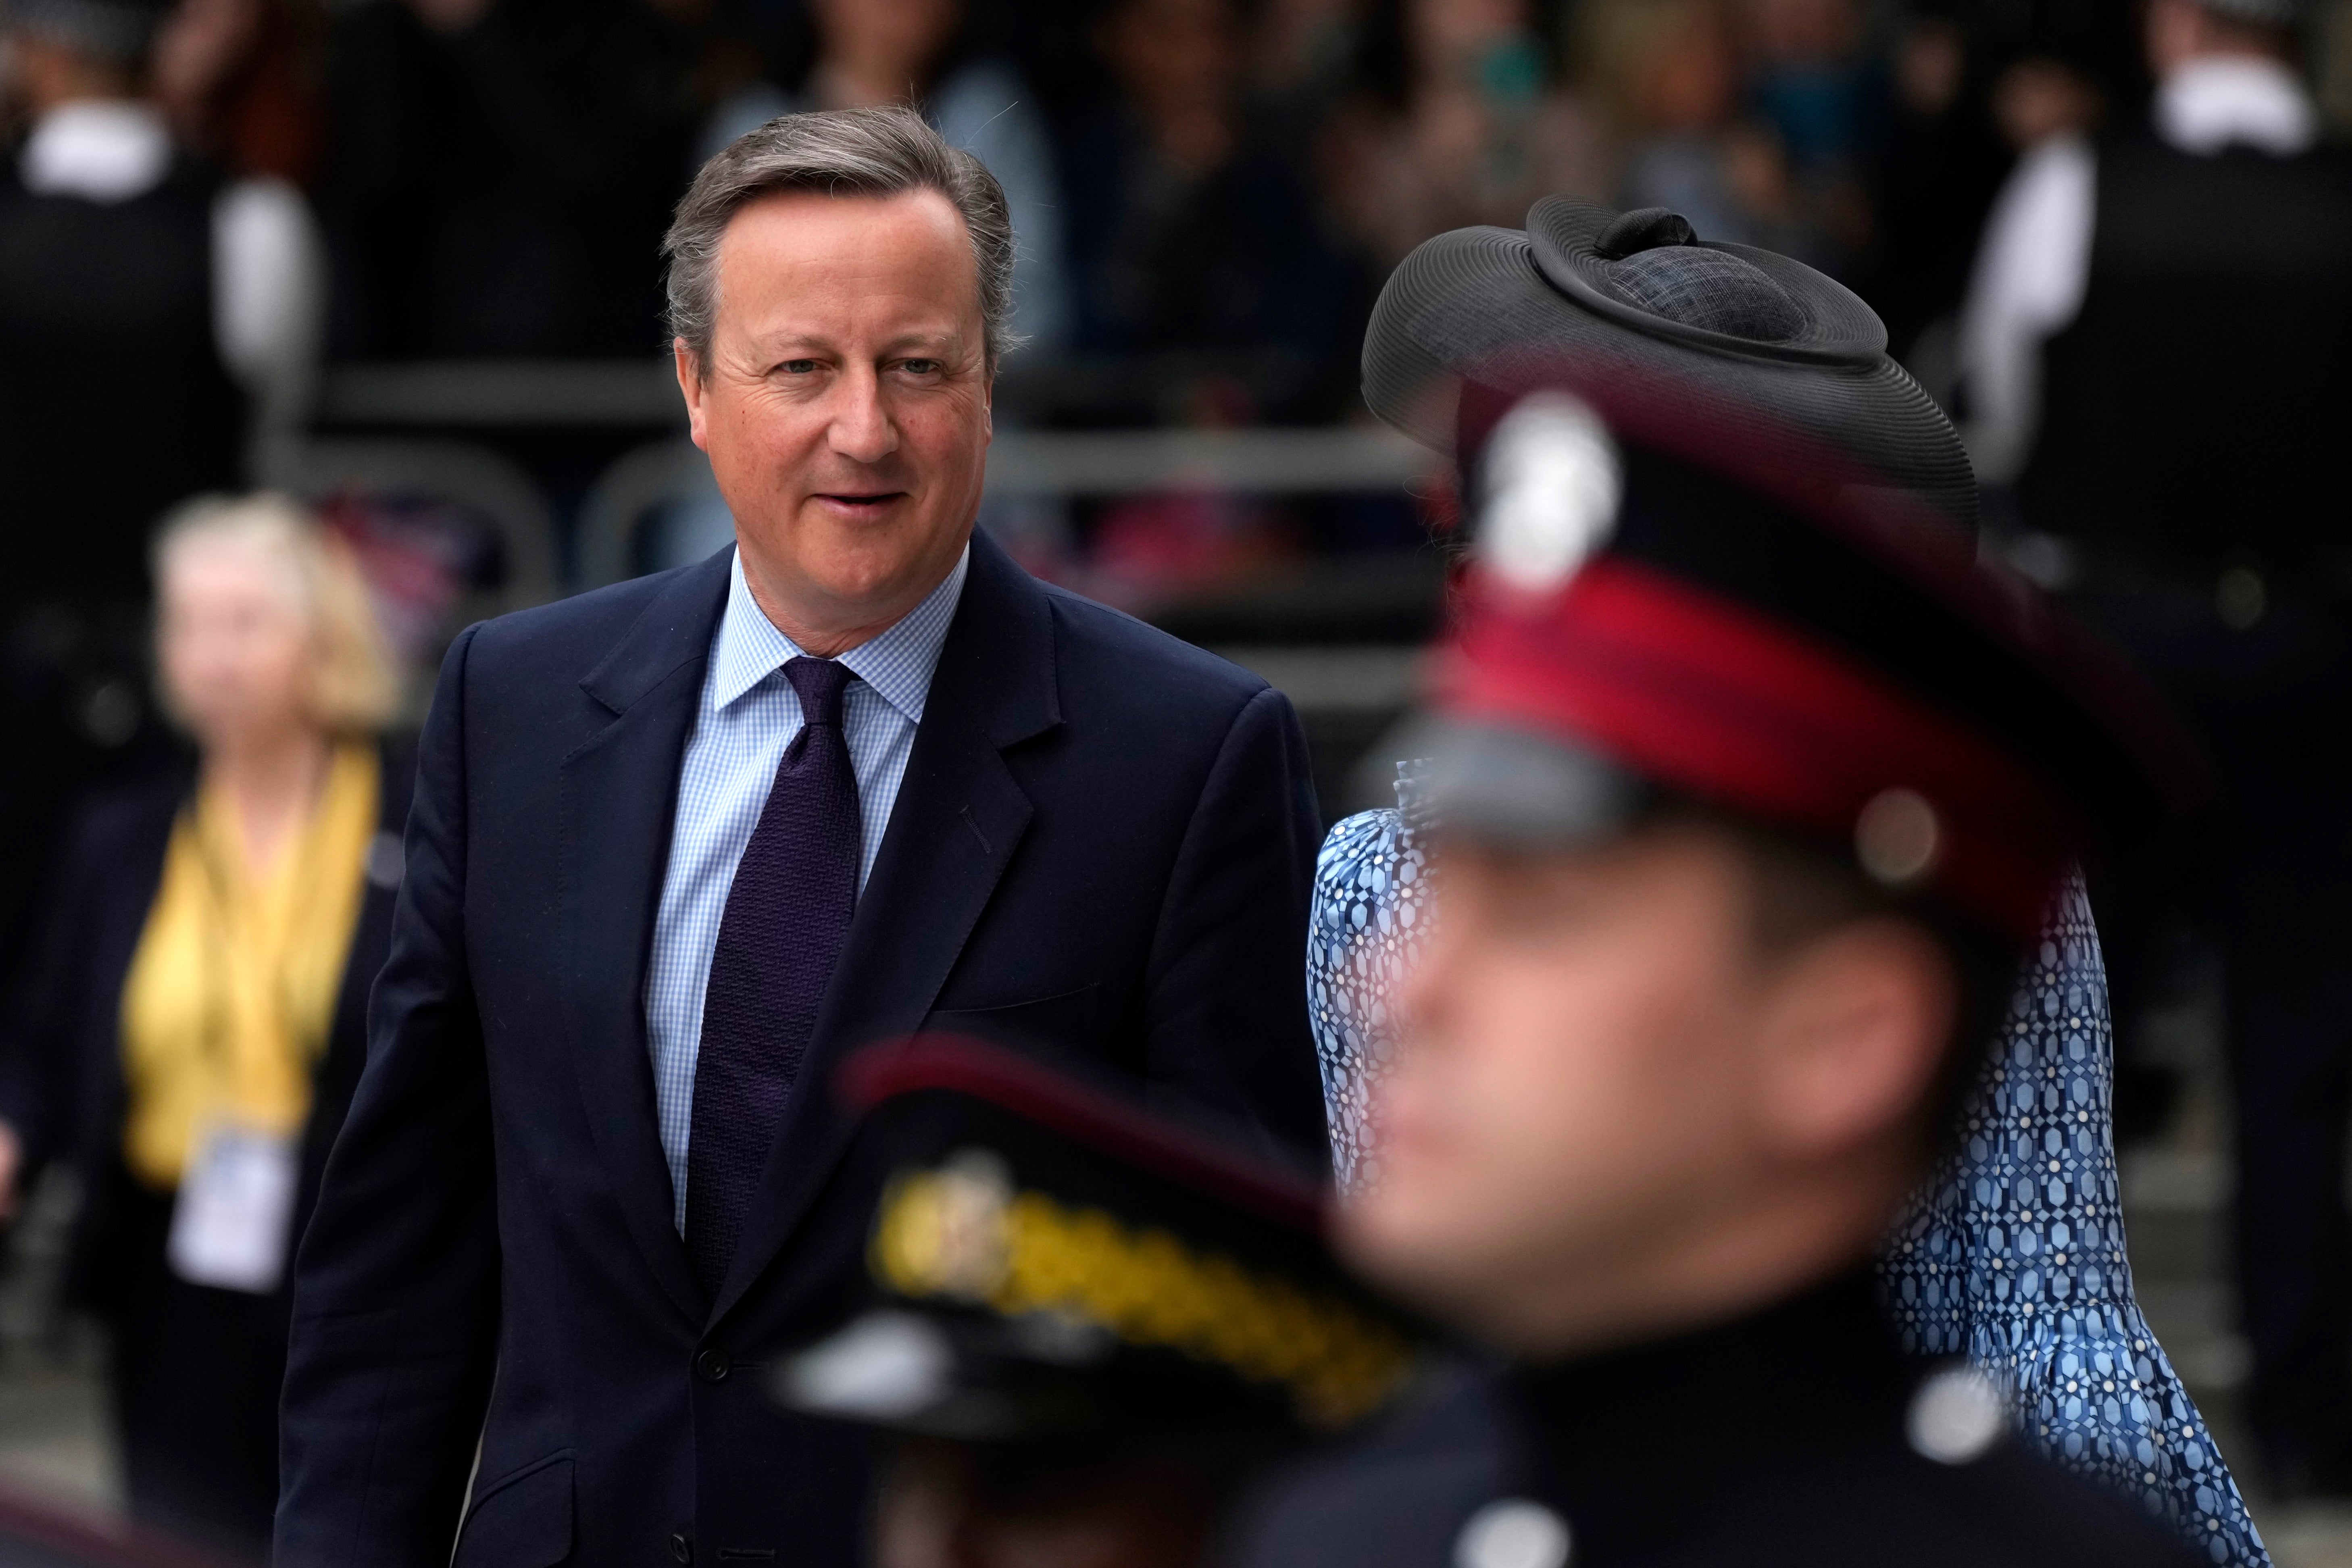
798 367
919 366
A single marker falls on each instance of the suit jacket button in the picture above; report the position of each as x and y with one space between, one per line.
711 1366
681 1547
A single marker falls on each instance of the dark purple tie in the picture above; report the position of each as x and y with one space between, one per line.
787 916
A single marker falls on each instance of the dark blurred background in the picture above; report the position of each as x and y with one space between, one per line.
428 303
1208 194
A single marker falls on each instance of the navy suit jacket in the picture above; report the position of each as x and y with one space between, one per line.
1103 845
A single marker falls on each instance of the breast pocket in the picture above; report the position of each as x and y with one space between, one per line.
1065 1020
523 1520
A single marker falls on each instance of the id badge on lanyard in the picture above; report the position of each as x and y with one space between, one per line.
235 1204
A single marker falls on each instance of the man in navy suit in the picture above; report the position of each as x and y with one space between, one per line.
679 844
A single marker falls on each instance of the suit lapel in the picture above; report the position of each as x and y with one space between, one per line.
619 797
958 817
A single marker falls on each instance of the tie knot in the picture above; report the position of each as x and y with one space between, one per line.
820 682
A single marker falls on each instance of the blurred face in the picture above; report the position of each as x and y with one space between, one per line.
1611 1113
892 36
198 47
1174 56
957 1505
1930 66
845 405
2179 31
1448 32
2036 99
1691 84
234 642
1804 30
451 15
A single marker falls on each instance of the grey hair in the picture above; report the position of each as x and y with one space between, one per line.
843 152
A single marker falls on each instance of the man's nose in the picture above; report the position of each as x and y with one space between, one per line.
862 428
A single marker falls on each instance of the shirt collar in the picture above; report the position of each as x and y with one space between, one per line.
897 664
2212 101
101 149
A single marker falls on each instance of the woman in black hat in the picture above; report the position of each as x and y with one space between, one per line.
2046 1306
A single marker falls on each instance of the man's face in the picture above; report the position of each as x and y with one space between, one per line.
845 405
1573 1085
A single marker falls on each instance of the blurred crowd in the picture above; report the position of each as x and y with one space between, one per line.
491 177
1206 192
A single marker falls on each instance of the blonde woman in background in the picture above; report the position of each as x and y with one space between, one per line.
197 1022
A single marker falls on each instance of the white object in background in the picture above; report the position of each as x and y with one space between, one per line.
235 1203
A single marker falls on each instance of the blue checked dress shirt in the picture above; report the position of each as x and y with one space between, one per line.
747 715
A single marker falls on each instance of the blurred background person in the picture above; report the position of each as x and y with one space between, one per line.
2046 111
1821 92
196 1023
1464 116
1936 175
1675 67
235 78
923 53
2157 337
1192 228
499 173
159 333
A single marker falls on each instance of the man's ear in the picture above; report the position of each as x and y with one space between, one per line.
690 384
1855 1025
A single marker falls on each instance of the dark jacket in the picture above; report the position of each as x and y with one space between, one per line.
61 1084
1793 1437
1102 844
2191 411
87 287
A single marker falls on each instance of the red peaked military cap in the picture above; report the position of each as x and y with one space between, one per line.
1671 593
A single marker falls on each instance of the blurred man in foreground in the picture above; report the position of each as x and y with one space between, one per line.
1078 1328
1749 787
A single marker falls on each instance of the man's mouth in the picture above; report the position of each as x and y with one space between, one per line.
861 500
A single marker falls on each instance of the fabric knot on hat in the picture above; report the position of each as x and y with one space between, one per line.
1710 289
1648 271
1653 259
1644 228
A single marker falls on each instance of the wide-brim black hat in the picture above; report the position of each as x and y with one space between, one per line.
1589 289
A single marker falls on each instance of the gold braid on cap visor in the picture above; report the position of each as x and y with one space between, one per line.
955 1233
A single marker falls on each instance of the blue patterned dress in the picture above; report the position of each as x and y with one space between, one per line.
2012 1255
